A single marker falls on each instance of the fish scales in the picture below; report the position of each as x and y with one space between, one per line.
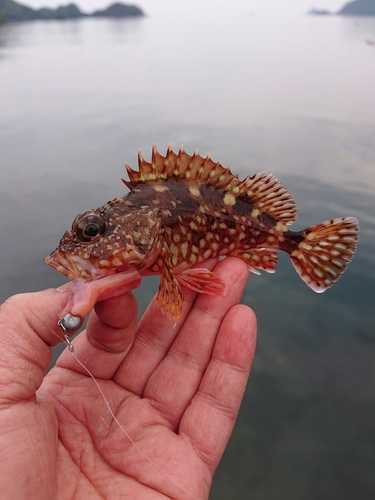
182 210
200 219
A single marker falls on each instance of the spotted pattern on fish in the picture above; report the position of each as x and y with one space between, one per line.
183 209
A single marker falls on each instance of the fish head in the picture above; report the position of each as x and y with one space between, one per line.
106 241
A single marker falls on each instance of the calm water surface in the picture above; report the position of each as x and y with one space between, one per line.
292 96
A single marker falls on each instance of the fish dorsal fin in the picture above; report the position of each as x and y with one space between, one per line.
267 194
262 191
182 166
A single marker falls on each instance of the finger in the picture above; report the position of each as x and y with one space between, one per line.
28 327
107 339
156 333
210 418
175 382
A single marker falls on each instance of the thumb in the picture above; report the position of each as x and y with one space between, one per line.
28 329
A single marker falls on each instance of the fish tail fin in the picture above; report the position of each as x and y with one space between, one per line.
325 251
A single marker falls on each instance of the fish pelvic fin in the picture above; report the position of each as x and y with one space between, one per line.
170 296
322 257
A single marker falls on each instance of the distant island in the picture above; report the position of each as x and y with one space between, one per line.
358 8
13 11
319 12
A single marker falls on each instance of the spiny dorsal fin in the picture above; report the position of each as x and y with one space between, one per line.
262 191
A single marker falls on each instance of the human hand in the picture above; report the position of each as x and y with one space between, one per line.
175 390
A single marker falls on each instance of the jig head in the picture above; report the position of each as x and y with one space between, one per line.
70 324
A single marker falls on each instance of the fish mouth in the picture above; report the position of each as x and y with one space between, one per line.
89 283
73 267
84 294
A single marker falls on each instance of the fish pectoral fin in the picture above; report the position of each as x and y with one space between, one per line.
258 258
169 295
202 280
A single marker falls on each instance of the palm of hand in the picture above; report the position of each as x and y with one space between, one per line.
175 392
100 460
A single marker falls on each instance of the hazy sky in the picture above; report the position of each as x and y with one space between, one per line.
153 6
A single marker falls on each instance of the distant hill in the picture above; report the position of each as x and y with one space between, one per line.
13 11
119 10
358 8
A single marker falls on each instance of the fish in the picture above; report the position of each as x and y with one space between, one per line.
183 209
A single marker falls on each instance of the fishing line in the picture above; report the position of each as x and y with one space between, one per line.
70 346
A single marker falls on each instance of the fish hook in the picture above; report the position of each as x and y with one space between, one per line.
69 324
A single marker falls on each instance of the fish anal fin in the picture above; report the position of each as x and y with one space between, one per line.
202 280
326 250
258 258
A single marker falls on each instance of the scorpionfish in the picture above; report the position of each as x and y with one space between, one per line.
184 209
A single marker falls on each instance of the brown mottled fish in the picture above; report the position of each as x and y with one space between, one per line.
182 210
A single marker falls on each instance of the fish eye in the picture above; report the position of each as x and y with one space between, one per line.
90 228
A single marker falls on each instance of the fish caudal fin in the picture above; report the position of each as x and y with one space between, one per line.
326 250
